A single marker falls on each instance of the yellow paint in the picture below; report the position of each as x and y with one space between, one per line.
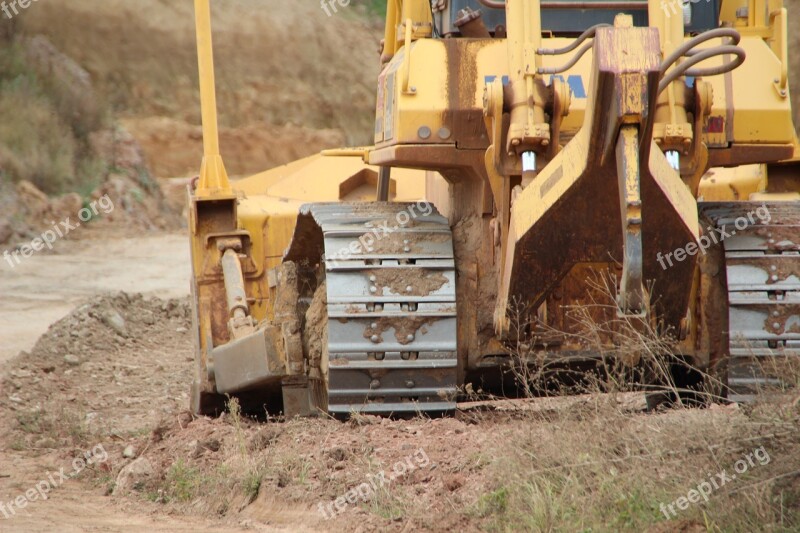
424 107
731 184
415 110
213 177
746 104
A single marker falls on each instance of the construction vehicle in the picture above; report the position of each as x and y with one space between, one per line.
565 144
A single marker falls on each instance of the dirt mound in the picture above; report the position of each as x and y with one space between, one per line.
293 473
105 364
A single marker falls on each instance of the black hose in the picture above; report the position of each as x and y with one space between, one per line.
436 33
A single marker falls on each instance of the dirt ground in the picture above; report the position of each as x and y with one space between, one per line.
114 372
47 286
38 293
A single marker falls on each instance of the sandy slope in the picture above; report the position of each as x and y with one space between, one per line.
278 62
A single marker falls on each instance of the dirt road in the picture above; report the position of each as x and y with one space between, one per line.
38 292
45 287
75 507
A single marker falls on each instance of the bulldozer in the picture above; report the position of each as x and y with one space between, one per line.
633 159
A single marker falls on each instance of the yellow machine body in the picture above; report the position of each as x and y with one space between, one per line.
557 159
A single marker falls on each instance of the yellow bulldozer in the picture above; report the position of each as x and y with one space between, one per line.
632 159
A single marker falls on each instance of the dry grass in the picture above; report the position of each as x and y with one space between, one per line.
605 470
598 467
227 485
629 353
43 130
587 465
41 429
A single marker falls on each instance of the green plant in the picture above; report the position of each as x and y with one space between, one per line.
183 482
376 7
251 483
18 444
492 503
60 426
235 411
45 124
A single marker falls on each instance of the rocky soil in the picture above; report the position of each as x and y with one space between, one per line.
115 372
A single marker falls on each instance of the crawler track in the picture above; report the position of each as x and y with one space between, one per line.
391 305
763 272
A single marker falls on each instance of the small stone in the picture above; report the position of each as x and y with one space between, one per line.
129 452
72 360
338 454
134 476
45 442
181 329
115 321
211 444
263 439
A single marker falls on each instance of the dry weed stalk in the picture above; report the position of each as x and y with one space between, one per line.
625 352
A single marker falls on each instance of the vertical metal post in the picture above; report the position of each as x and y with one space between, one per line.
213 177
384 180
